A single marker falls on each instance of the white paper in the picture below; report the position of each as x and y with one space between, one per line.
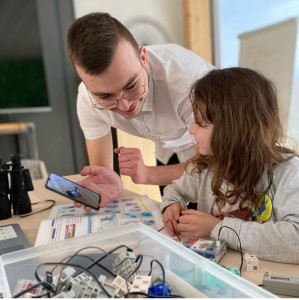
67 221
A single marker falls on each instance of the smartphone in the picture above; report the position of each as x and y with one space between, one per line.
73 191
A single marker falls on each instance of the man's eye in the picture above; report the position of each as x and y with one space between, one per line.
105 98
131 87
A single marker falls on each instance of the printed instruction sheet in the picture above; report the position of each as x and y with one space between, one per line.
67 221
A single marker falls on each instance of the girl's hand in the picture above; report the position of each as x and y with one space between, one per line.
171 215
196 223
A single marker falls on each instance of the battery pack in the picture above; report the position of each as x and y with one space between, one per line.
281 284
209 248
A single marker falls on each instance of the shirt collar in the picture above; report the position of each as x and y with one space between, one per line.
148 102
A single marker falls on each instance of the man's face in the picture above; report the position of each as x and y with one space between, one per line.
124 73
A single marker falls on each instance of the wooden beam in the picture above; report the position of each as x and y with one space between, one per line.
198 27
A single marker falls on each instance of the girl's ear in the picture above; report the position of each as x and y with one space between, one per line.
143 57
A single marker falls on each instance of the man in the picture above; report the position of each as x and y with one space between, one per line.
143 91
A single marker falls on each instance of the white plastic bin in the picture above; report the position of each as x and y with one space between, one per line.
192 275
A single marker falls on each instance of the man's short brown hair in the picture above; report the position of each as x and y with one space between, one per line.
93 39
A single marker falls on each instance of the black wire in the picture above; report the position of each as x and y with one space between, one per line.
53 202
224 226
45 285
140 256
104 256
71 257
103 267
163 271
93 261
90 247
81 255
74 266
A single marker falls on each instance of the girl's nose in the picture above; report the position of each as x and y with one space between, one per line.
191 128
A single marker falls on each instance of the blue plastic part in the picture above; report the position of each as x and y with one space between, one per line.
234 270
160 289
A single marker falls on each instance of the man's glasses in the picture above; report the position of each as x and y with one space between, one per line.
110 102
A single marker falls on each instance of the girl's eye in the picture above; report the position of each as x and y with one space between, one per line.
201 124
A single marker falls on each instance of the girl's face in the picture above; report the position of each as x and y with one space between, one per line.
202 136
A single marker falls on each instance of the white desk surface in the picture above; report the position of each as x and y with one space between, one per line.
31 224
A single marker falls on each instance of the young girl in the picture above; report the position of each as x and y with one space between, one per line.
241 176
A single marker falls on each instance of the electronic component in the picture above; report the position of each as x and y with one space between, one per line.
159 289
233 269
251 263
66 274
123 256
141 284
281 284
108 287
67 294
121 286
84 286
124 265
49 277
209 248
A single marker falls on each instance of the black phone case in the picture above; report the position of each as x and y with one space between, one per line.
69 197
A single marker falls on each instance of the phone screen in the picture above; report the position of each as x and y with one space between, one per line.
73 191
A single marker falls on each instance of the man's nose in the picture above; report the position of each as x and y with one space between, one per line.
124 104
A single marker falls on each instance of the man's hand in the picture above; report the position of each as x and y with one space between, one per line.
131 164
171 216
196 223
102 180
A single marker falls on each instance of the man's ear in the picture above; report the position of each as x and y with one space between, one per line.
143 57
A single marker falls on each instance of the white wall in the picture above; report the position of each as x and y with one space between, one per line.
274 51
166 12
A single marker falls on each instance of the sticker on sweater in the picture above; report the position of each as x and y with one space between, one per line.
264 210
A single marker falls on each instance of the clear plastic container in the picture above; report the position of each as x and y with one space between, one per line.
192 275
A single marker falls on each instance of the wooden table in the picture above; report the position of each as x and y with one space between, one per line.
31 224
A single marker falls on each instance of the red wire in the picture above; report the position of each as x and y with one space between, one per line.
241 252
173 229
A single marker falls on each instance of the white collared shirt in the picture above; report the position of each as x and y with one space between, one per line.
167 111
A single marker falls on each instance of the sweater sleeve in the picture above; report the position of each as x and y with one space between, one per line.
278 238
182 191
